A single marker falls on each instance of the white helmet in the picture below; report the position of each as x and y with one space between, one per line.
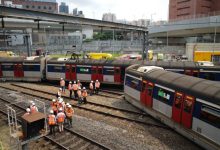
74 82
69 106
70 82
28 110
54 100
60 89
61 78
33 104
61 99
51 111
91 81
97 80
79 88
60 109
84 88
78 81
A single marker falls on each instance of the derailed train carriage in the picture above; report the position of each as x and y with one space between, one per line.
22 69
189 105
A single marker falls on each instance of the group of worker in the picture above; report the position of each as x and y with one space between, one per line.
80 93
60 113
94 87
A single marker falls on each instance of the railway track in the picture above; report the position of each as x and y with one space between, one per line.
69 139
122 114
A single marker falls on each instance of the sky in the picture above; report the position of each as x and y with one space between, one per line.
124 9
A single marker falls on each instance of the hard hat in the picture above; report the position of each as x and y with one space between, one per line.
96 80
61 99
70 82
51 111
69 106
91 81
28 110
79 88
33 104
54 100
61 78
74 82
60 89
84 88
78 80
60 109
67 103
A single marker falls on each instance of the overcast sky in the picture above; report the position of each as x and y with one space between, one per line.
124 9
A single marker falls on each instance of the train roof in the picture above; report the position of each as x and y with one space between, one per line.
107 62
11 59
204 89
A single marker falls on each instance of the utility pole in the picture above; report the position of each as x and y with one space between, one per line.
145 45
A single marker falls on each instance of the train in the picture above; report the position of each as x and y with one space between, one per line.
189 105
106 71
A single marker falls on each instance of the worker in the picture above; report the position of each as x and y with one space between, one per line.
52 122
69 115
28 112
33 108
54 106
84 95
97 86
70 89
79 84
79 93
59 94
75 88
62 84
91 88
60 119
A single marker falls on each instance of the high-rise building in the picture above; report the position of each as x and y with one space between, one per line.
50 6
182 9
109 17
75 12
63 8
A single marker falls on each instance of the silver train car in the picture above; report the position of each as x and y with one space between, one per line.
189 105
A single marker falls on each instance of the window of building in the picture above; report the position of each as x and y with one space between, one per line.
33 6
45 7
27 6
39 7
49 8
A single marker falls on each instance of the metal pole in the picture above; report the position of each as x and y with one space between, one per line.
214 45
113 38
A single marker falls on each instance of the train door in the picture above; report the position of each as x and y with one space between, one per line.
70 73
100 73
177 107
0 70
187 111
94 74
18 70
147 93
117 74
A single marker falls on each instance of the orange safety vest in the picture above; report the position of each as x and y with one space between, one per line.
91 86
70 87
75 87
51 120
69 112
79 93
97 84
84 94
60 117
62 83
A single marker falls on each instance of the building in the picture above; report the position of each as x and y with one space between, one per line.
109 17
75 11
50 6
63 8
186 9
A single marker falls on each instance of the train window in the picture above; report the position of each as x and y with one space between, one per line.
163 95
150 90
209 76
133 83
117 71
58 68
93 70
73 69
108 71
7 67
68 68
143 87
178 100
188 103
100 71
210 115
